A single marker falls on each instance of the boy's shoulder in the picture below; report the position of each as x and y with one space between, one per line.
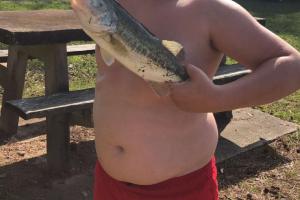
211 7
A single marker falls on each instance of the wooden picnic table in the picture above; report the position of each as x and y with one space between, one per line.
43 35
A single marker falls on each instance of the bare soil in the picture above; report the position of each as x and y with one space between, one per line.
269 172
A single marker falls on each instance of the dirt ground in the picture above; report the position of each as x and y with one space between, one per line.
269 172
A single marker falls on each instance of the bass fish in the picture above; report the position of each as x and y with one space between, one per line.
123 38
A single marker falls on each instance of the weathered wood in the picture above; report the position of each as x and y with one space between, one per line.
82 49
72 50
58 143
58 133
56 77
3 56
223 119
67 102
40 27
13 87
82 117
229 73
3 74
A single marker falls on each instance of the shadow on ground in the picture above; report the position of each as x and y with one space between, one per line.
29 179
248 164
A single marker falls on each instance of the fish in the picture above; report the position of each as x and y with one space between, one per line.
123 38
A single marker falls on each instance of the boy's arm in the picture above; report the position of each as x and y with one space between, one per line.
275 64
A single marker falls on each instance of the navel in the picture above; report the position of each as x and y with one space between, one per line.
120 149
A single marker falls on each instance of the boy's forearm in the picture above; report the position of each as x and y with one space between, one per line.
272 80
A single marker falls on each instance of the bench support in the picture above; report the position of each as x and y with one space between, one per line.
13 88
58 132
56 80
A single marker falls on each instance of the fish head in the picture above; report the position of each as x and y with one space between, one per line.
96 16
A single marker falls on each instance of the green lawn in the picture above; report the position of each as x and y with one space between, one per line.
283 18
33 4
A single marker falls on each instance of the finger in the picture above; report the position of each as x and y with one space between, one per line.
98 55
193 72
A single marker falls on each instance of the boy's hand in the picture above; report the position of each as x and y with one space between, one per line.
198 94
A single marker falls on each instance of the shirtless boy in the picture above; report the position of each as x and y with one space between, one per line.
162 148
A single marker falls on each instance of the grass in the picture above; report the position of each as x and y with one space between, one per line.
82 69
283 18
34 4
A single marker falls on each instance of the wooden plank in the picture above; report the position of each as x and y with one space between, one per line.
83 49
262 21
67 102
40 27
3 55
3 74
229 73
13 88
58 131
82 117
82 99
72 50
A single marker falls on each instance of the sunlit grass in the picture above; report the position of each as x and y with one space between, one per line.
34 4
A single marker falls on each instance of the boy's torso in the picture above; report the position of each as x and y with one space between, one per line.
142 138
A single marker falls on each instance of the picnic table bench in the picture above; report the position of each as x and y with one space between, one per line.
44 35
72 50
81 102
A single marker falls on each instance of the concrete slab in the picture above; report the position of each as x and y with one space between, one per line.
249 129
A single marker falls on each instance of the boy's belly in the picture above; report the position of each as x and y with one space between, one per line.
143 139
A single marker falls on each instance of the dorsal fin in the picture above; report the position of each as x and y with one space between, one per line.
175 48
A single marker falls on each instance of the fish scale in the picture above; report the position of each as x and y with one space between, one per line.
122 37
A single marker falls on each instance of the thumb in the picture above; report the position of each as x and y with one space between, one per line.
193 72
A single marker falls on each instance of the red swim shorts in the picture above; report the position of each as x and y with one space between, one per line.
198 185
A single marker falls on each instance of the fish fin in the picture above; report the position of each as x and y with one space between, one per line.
175 48
107 37
161 89
107 57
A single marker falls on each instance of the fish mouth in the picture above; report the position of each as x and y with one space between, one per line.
81 9
93 18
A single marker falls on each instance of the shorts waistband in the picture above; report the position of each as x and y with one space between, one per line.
183 183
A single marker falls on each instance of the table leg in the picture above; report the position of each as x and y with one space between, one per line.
58 132
13 88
